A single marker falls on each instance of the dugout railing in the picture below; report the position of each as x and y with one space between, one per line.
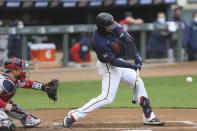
67 29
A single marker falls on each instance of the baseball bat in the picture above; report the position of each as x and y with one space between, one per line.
135 90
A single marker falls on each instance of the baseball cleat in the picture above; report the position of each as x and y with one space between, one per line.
68 121
30 121
155 121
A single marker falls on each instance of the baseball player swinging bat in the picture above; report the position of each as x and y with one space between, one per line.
135 90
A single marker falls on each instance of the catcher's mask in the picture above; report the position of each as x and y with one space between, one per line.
19 64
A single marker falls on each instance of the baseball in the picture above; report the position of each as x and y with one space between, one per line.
189 79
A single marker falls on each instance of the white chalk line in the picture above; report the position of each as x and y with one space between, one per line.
127 122
137 129
185 122
194 126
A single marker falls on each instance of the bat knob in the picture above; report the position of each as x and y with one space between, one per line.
133 101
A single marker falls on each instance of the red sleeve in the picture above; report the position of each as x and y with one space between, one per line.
28 84
2 103
122 22
74 52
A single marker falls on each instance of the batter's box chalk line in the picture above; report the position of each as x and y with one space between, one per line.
137 130
59 125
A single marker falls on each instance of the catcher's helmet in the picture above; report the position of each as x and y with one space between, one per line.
14 63
106 20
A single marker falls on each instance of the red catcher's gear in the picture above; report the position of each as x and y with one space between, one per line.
16 63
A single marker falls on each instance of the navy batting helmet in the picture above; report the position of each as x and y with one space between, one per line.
106 20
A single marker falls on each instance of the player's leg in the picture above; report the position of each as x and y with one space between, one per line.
6 124
28 120
110 82
129 78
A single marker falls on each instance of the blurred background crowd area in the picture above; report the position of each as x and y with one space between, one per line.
159 44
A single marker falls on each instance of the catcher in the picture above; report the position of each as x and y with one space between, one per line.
15 76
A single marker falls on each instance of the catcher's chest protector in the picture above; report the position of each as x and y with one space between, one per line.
7 88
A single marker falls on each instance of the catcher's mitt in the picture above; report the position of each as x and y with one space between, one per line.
51 89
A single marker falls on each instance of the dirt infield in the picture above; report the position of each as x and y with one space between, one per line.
126 119
117 120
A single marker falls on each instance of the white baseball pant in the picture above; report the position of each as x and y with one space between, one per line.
111 77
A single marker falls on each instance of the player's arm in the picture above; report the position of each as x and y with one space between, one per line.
7 106
50 88
116 62
108 56
31 85
2 103
130 42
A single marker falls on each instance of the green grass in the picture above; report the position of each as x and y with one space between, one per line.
164 92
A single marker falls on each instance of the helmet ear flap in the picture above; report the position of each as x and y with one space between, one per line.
102 30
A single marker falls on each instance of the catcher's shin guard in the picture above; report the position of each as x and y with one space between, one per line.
28 120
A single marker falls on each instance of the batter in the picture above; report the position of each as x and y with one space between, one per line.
111 42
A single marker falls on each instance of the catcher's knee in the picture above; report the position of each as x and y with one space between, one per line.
6 124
